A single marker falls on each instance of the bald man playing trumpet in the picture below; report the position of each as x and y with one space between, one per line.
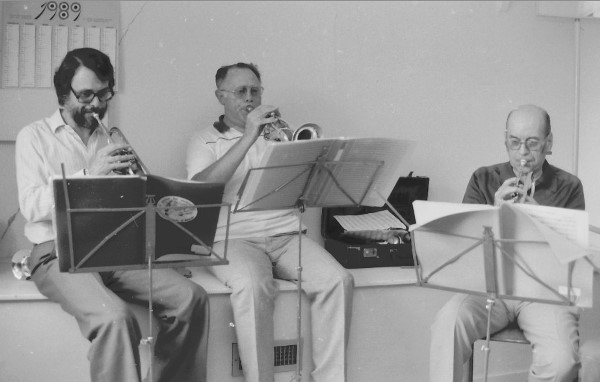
552 329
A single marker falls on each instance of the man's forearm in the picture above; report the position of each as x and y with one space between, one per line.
223 169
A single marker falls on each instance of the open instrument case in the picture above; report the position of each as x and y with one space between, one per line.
354 252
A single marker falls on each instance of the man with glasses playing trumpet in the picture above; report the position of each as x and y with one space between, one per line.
264 244
552 329
84 85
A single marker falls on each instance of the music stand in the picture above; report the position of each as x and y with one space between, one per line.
509 252
317 173
125 234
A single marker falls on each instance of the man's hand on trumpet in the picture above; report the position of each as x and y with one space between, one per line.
257 118
511 191
113 157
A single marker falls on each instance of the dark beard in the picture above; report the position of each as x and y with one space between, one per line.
83 117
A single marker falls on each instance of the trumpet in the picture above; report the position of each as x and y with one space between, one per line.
524 182
115 135
280 131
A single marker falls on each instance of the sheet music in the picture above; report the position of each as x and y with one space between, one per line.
427 211
391 152
381 220
288 163
538 250
572 224
355 163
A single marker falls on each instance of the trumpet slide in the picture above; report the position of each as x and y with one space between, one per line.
116 136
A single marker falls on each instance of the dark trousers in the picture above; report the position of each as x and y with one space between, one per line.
98 301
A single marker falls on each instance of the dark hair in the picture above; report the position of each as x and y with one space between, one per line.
92 59
222 72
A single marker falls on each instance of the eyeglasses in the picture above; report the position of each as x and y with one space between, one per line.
87 96
532 144
240 92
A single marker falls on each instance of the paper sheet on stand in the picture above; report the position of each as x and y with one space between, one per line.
382 220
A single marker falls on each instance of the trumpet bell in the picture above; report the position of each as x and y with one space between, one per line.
307 131
280 131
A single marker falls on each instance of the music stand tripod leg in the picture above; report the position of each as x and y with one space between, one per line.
301 209
150 242
489 259
486 348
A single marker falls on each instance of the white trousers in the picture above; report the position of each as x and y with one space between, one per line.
590 361
253 263
551 329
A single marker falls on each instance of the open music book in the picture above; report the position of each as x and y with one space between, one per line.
102 222
539 252
325 172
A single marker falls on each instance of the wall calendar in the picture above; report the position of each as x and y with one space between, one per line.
37 35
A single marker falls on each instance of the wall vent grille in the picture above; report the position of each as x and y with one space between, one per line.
286 357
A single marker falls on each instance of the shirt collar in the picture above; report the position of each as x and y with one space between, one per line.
56 120
224 129
547 180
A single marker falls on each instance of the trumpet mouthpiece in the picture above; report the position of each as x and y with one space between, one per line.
249 108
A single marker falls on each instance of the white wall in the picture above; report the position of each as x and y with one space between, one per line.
589 137
444 74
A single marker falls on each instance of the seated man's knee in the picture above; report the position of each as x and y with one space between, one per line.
590 361
560 364
117 318
192 298
258 289
458 314
452 311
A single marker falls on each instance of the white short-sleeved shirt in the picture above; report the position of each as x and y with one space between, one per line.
206 147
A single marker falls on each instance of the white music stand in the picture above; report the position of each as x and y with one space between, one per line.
319 173
132 237
511 252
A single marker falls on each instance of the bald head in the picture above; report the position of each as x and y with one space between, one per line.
529 115
528 138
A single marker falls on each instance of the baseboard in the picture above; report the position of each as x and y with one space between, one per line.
508 377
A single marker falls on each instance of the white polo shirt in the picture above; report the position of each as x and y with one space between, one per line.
206 147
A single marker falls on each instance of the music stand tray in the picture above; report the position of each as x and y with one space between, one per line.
333 172
514 251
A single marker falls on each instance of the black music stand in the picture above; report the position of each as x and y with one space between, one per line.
512 255
320 173
110 223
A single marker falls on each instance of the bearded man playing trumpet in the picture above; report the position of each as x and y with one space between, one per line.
263 245
84 85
